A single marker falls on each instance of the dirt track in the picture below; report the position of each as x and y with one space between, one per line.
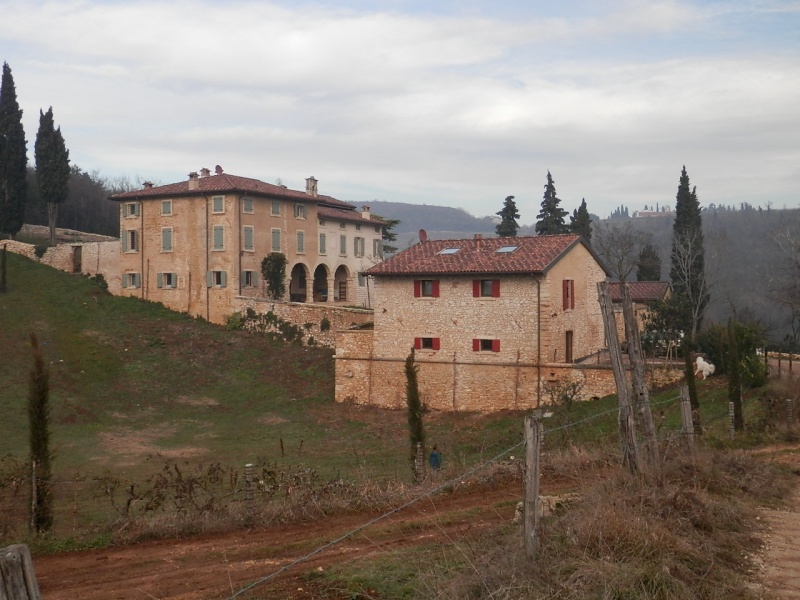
216 566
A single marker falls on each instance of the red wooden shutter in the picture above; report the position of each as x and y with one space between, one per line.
495 345
417 343
435 288
572 293
416 288
476 288
435 343
565 294
495 288
476 345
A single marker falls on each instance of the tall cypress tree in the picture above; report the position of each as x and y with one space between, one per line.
39 437
13 158
551 217
52 167
415 411
580 222
508 225
688 256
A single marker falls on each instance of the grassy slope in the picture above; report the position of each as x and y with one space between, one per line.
129 378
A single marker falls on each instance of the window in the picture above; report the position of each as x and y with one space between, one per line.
342 225
485 288
358 246
362 281
377 248
485 345
358 226
323 241
377 229
131 280
166 239
426 343
276 240
275 209
300 211
249 234
343 245
218 204
131 209
426 288
166 207
216 278
247 205
251 279
301 242
506 249
449 251
568 293
166 280
130 240
219 237
322 222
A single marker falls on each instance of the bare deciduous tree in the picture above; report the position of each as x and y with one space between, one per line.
618 243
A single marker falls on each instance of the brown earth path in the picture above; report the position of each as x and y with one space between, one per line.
215 566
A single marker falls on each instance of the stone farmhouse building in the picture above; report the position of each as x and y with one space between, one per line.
643 293
496 323
197 245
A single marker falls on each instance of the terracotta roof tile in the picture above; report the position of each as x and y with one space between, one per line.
354 216
532 255
225 183
641 291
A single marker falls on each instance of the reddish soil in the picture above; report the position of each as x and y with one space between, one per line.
216 566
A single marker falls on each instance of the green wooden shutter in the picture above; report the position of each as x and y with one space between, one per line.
125 280
159 280
223 279
137 280
124 240
209 278
255 278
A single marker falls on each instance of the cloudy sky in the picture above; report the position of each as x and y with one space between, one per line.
457 103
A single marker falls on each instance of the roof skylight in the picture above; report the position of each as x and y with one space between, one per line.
448 251
506 249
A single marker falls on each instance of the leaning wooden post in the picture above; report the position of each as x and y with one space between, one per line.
533 444
731 419
686 415
641 395
627 425
17 577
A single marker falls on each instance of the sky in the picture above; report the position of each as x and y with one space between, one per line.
455 103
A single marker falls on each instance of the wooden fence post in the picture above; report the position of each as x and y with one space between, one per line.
731 419
533 444
686 415
790 418
17 577
248 478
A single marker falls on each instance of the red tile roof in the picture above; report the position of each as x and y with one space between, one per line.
641 291
338 214
532 255
226 183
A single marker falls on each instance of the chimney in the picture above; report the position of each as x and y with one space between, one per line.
311 187
205 172
478 241
147 185
365 212
194 181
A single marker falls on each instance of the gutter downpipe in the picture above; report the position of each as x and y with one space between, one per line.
538 342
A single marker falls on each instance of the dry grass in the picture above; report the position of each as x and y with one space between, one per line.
689 533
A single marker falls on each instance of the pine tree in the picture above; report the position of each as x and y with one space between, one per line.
52 167
648 267
551 217
508 225
13 158
580 222
39 438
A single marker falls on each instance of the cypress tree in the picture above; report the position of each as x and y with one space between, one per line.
273 268
508 225
581 222
39 438
52 167
416 410
649 264
13 158
551 217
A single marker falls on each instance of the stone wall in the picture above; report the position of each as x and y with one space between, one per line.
305 313
459 385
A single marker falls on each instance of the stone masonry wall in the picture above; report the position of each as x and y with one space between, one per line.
363 378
